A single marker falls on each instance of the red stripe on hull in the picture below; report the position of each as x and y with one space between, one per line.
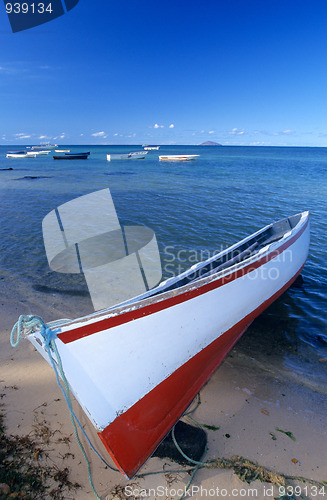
133 436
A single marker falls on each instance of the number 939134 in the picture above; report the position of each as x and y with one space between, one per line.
28 8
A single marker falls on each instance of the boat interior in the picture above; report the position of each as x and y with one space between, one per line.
235 255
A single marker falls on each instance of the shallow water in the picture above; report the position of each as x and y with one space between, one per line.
195 209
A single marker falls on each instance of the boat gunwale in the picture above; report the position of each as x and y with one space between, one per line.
197 287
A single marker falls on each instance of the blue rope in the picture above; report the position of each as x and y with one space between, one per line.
27 323
50 344
49 336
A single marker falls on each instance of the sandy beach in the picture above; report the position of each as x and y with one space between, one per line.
161 265
268 419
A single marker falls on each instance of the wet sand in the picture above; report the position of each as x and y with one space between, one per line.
257 412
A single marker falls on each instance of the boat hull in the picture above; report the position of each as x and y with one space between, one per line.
145 424
44 146
38 153
136 368
177 157
13 155
71 157
112 157
139 155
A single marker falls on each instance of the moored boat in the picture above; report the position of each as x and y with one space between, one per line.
62 150
150 148
135 367
72 156
20 154
44 146
117 156
137 155
177 157
38 153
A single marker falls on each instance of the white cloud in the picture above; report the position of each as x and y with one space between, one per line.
10 69
99 134
158 126
21 135
115 134
236 131
211 131
284 132
171 125
44 137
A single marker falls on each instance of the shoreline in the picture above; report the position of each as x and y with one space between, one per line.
254 409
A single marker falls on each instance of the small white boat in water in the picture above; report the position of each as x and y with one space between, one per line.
37 153
137 155
116 156
135 367
20 155
43 146
177 157
62 150
149 148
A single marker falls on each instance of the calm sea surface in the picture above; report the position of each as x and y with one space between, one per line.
195 209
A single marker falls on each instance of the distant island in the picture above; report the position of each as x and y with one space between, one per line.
210 143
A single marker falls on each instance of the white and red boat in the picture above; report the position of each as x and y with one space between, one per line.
136 367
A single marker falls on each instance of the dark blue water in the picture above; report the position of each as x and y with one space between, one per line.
195 209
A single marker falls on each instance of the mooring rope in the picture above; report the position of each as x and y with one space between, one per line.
27 324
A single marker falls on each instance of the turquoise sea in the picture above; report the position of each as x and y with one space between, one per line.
195 208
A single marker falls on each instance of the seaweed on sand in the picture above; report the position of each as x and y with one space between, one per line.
24 472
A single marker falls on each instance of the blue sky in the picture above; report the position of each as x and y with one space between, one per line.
247 72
